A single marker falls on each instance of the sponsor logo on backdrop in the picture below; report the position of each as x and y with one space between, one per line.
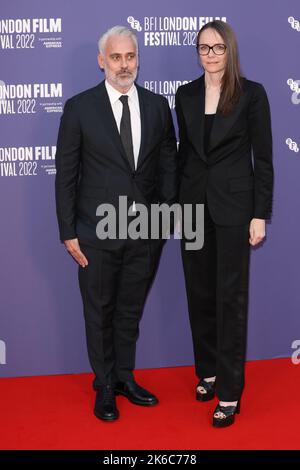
29 33
295 87
2 352
292 145
30 98
134 24
296 354
295 24
27 161
166 88
170 30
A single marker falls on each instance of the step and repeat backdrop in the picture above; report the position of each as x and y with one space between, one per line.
48 52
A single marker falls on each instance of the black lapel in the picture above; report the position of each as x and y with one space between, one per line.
195 115
106 115
222 125
144 111
195 119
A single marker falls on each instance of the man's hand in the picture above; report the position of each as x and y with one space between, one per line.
257 231
74 250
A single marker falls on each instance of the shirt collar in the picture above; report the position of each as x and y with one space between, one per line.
114 94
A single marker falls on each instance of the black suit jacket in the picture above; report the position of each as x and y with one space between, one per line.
92 167
235 187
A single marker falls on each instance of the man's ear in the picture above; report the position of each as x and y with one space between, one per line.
101 61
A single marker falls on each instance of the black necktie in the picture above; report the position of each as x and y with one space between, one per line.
125 131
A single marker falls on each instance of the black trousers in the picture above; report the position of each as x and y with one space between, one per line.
217 290
114 287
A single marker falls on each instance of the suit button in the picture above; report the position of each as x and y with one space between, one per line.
133 175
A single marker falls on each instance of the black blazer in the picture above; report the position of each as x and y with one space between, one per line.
235 188
92 167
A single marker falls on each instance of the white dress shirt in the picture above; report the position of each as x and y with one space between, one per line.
135 115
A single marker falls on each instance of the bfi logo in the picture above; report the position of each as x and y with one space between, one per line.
2 352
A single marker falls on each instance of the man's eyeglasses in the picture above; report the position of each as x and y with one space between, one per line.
204 49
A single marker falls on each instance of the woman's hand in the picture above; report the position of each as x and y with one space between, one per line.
257 231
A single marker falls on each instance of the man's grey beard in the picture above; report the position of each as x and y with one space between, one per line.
122 82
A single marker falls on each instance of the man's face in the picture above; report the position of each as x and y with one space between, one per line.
120 62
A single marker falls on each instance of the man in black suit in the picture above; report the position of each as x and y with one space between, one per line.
116 139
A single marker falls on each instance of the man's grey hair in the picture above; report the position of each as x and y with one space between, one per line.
116 31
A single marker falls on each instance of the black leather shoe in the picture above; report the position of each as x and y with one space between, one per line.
228 413
210 390
135 393
105 405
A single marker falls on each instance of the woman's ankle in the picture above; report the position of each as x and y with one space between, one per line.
228 403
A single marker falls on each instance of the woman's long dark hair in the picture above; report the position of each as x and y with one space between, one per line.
231 84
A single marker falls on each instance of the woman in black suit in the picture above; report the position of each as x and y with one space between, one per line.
226 164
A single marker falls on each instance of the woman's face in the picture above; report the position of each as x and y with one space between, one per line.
212 62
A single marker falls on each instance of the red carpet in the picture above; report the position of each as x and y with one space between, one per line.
56 412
